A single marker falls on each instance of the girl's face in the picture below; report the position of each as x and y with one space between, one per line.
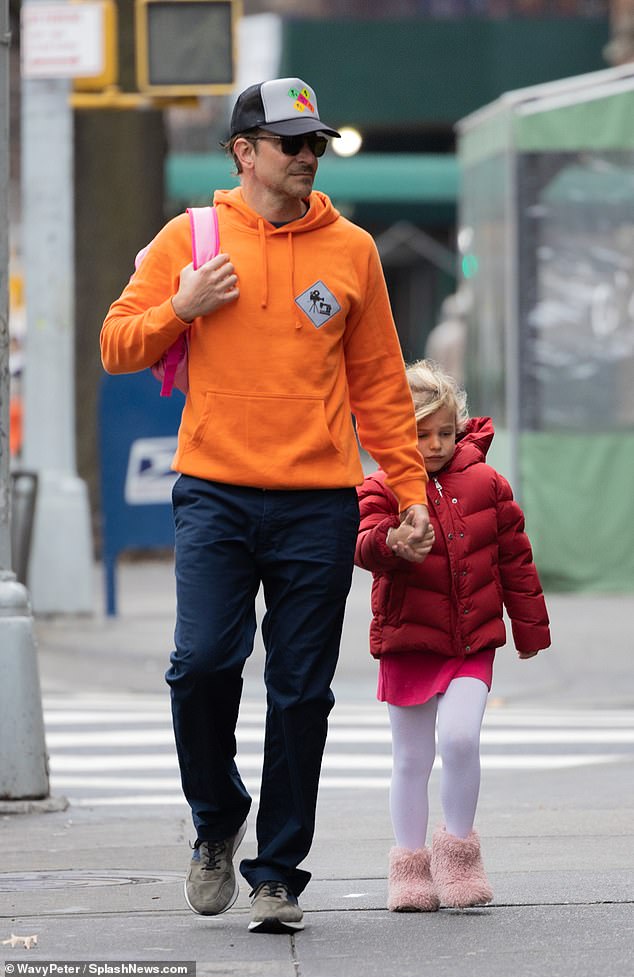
437 438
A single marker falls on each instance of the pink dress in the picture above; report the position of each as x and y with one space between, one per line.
409 680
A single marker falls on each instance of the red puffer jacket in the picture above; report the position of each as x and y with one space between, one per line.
452 603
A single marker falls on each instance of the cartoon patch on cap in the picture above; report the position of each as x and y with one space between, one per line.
302 99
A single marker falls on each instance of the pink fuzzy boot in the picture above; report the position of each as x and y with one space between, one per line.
410 887
457 870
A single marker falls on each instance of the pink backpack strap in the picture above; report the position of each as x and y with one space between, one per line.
171 361
205 240
205 245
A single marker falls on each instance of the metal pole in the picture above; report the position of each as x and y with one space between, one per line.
512 318
61 560
5 532
23 762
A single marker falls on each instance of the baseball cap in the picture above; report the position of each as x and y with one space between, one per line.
284 106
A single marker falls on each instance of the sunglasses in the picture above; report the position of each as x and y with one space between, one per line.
292 145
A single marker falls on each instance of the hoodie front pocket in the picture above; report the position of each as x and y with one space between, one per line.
263 432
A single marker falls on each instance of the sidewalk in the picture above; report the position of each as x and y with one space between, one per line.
106 884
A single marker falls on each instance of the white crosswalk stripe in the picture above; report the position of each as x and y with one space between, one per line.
118 750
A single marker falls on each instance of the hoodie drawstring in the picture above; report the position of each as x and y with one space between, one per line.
291 265
264 300
264 265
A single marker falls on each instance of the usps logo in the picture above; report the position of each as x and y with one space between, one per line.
318 303
149 478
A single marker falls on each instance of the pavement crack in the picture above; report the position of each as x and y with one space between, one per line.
295 958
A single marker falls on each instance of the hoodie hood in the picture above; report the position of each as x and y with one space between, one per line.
320 212
233 208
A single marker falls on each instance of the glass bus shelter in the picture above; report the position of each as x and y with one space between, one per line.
546 235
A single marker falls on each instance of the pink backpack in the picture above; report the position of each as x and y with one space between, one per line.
172 368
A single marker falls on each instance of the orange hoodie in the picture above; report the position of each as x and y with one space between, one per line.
275 376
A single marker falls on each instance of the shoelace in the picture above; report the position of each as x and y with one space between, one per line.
274 890
211 853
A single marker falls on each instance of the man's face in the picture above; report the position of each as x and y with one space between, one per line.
292 176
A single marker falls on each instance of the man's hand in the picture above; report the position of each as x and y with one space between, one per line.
403 545
208 288
416 516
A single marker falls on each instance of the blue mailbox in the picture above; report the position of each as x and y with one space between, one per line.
137 440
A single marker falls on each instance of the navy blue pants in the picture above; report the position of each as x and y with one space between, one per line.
300 546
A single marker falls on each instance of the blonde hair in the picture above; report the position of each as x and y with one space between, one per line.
432 389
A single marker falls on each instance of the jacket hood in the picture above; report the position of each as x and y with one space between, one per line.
233 208
473 444
471 447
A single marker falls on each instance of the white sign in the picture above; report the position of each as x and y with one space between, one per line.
62 40
149 478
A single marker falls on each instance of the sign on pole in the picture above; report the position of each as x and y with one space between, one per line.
63 40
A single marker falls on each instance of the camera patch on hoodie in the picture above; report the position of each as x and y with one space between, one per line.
318 303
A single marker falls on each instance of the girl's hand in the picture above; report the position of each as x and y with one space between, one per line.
527 654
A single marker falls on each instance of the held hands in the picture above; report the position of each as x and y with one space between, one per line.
414 538
208 288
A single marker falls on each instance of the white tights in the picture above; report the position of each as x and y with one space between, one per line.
459 711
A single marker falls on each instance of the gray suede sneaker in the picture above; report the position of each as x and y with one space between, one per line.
211 886
274 909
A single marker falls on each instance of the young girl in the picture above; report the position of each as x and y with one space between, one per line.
435 627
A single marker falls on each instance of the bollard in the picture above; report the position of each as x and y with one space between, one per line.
23 501
23 758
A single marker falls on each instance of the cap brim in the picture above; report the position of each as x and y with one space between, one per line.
295 127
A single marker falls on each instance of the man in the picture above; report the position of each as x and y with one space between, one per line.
290 334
